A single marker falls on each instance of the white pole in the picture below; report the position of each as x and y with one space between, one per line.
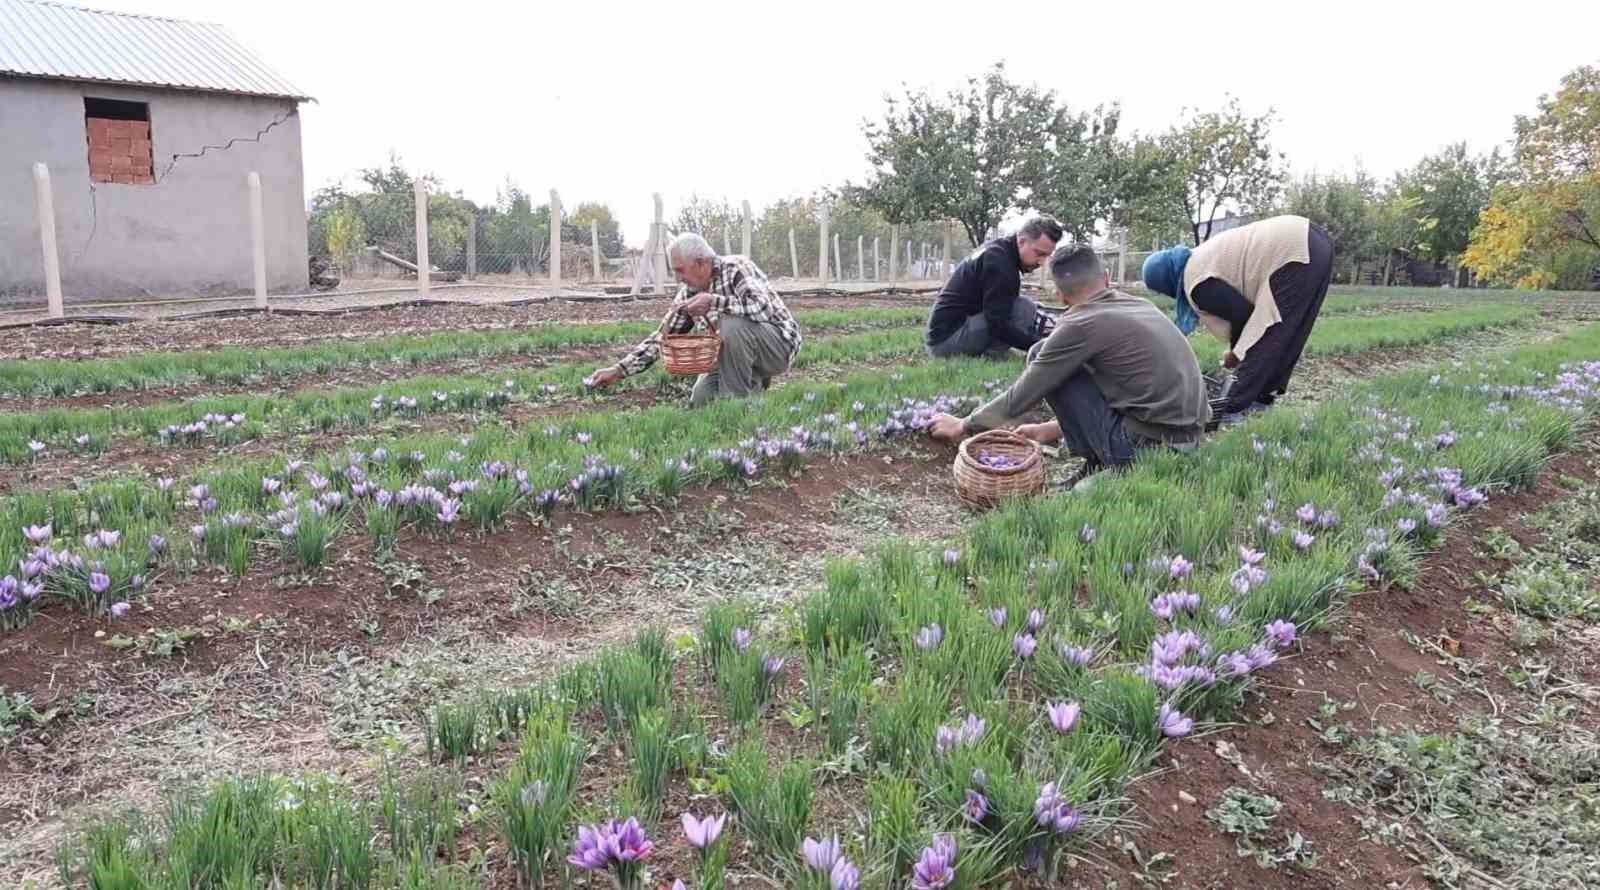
745 234
660 258
422 240
861 258
894 254
47 239
944 267
258 239
594 246
877 260
555 239
727 239
645 259
794 256
838 267
822 248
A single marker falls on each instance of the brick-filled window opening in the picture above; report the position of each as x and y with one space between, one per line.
119 141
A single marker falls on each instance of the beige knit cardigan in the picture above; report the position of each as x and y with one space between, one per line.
1245 258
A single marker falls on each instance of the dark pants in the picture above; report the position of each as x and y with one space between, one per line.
1092 429
1298 289
973 337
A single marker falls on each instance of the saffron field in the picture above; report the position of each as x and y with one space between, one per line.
417 611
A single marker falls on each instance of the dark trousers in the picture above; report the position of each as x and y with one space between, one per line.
1092 429
1298 289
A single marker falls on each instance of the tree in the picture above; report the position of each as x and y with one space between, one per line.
1205 163
346 235
1347 207
1447 191
972 155
1083 168
599 214
1544 228
709 219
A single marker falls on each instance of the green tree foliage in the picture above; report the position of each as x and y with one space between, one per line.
1444 193
972 155
1347 207
1543 225
1209 161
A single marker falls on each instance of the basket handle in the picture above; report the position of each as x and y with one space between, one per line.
661 329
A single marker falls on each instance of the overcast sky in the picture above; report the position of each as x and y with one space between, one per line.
612 101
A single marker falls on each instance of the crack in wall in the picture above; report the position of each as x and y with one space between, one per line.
227 145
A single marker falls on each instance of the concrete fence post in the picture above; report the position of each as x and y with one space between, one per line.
861 258
47 239
422 240
794 257
472 246
944 267
555 239
894 253
258 239
877 261
822 248
594 246
744 240
838 267
660 258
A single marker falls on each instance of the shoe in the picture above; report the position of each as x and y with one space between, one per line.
1086 470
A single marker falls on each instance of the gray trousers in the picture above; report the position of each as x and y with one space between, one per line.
973 338
752 354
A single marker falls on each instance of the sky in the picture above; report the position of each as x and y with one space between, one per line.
758 101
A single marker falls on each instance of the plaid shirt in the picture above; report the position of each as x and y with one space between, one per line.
737 287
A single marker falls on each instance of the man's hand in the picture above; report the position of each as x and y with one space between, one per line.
697 307
603 377
947 428
1230 361
1043 433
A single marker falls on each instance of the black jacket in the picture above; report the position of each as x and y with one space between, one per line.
987 282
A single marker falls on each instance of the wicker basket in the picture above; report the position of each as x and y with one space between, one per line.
692 353
984 486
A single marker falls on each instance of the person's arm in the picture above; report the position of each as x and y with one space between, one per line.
1219 298
1001 287
641 357
1062 355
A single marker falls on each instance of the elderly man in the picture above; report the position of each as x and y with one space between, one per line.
1117 373
981 310
759 336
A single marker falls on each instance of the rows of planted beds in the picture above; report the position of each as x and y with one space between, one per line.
439 484
227 420
978 706
242 365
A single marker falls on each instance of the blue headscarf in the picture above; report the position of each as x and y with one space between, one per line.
1163 272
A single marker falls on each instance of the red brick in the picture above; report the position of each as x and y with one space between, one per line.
122 163
139 148
101 176
121 145
144 178
99 127
138 129
101 156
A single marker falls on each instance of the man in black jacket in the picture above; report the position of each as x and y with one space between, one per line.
981 310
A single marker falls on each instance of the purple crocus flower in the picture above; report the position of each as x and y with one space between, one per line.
976 809
771 666
929 637
1076 655
270 485
1307 513
741 638
119 609
1282 633
997 615
702 833
935 870
845 875
1063 715
1251 557
952 556
589 851
1086 534
820 855
36 534
1406 525
1053 812
1437 515
1035 619
1303 541
1261 657
99 583
1023 645
1172 723
1178 567
449 511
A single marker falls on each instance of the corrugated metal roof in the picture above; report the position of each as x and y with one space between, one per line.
66 42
